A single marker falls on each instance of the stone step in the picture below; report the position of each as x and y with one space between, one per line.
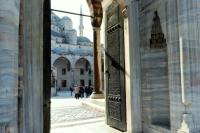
96 104
75 123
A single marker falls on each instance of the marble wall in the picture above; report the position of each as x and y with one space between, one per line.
179 22
34 65
9 25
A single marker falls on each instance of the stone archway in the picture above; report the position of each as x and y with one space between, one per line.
83 61
83 72
62 67
62 61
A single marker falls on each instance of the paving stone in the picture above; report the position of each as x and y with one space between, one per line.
66 109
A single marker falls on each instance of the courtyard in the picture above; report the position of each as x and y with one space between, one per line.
69 115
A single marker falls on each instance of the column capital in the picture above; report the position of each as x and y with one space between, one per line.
96 28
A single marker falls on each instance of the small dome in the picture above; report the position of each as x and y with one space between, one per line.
66 23
82 39
54 19
66 18
71 36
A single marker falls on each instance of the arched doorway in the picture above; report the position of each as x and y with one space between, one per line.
62 68
83 72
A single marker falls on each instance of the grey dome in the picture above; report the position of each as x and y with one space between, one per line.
54 19
71 36
66 18
66 23
82 39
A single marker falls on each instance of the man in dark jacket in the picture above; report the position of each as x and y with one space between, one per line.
82 91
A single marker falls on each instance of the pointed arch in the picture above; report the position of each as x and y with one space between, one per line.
62 61
83 62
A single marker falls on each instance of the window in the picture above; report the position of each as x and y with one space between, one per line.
64 83
81 71
82 82
90 82
63 71
90 72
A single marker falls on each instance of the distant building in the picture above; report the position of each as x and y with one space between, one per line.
71 55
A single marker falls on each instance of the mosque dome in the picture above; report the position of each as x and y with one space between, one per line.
81 40
66 18
71 36
54 19
66 23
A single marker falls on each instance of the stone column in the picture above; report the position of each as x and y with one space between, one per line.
9 24
97 13
35 101
132 67
97 64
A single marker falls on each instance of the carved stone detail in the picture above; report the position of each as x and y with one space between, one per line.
157 40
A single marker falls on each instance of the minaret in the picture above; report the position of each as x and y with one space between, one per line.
81 27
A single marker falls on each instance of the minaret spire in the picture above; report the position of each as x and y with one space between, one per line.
81 27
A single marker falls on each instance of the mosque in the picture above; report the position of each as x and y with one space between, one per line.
71 55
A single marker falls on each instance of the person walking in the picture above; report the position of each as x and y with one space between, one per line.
82 91
90 90
71 90
76 91
87 91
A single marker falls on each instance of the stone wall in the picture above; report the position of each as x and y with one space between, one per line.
179 23
9 26
72 76
33 67
154 66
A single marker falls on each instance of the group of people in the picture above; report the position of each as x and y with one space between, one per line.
81 90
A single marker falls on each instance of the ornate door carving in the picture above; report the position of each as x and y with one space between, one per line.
115 92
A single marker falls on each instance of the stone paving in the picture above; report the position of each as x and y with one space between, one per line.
68 115
70 109
66 109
